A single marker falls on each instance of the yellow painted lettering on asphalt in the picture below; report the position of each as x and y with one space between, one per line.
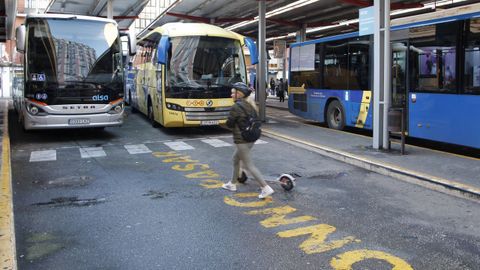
278 216
346 260
190 167
256 203
210 183
165 154
182 159
203 174
318 234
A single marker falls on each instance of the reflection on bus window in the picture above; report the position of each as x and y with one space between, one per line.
472 57
204 67
433 55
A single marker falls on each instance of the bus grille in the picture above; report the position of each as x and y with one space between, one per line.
202 114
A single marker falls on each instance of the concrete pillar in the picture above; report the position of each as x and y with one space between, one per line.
381 69
387 76
301 35
261 67
110 9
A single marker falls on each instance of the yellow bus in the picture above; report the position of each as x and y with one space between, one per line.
183 74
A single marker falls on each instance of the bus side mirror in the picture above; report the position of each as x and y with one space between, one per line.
162 51
253 50
132 43
20 36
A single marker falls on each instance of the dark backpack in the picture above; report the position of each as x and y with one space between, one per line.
251 130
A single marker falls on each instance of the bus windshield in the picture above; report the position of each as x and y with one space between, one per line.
73 61
204 67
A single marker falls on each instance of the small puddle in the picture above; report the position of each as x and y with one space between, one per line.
71 201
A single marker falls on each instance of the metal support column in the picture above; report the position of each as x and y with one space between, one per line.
381 50
261 67
110 9
387 76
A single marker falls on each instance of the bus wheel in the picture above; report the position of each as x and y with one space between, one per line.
151 117
335 115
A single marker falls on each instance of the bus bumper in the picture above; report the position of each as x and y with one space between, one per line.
72 121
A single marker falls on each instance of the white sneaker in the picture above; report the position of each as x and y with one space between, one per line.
266 191
229 186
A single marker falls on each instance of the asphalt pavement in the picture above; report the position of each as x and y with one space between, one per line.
136 197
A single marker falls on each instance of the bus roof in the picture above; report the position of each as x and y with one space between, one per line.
179 29
448 15
70 16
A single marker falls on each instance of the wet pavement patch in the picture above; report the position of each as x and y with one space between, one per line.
40 245
153 194
71 201
68 181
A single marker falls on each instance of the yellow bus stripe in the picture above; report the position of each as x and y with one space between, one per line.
363 112
8 258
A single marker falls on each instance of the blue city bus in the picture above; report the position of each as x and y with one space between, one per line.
435 77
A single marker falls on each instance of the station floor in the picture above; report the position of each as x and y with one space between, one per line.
436 169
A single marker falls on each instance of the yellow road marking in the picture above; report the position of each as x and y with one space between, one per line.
346 260
256 203
210 183
318 234
278 216
8 259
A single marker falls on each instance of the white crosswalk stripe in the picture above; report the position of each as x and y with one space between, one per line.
134 149
91 152
179 146
46 155
216 143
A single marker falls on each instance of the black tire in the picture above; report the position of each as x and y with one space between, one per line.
286 183
243 178
335 117
150 116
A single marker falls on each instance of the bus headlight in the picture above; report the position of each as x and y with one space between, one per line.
116 109
174 107
34 110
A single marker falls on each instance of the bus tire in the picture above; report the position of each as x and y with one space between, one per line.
151 117
335 115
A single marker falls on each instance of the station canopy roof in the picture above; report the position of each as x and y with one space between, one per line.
286 17
124 11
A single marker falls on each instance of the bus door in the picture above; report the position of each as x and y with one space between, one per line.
399 77
154 80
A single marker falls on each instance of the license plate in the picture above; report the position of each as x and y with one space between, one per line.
79 121
209 123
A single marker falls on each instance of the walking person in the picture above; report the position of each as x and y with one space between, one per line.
241 110
272 87
281 91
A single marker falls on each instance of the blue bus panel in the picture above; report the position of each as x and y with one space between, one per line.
445 117
351 100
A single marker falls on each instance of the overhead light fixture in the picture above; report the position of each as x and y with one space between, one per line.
278 11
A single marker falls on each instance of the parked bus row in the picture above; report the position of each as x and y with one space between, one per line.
74 73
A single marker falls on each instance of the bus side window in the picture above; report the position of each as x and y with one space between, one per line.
472 57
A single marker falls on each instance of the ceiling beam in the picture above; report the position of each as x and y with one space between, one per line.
97 7
367 3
